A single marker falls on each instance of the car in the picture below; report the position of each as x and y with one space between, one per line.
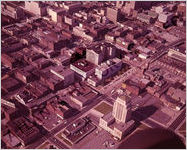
116 138
112 91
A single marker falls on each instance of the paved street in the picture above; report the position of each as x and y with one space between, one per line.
50 135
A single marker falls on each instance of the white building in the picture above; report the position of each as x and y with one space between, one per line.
122 109
165 17
54 12
38 8
108 68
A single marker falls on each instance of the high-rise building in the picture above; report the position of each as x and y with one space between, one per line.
122 109
12 10
96 54
136 5
120 4
113 14
37 8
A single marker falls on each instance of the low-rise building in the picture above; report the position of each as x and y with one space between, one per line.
78 130
25 74
165 17
58 108
133 87
51 39
12 10
119 130
66 74
24 130
108 68
145 18
8 61
10 84
83 99
54 12
83 68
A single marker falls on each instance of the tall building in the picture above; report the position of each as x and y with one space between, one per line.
37 8
120 4
96 54
113 14
122 109
12 10
136 5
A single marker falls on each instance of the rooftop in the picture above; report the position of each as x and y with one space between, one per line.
104 108
83 65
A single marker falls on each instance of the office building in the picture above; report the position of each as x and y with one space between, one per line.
96 54
113 14
122 109
108 68
37 8
12 10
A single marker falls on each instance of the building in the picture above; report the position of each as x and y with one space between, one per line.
30 56
177 55
64 73
24 130
143 50
8 61
136 5
72 6
105 70
10 84
120 4
50 79
52 40
25 74
161 9
124 43
62 60
10 111
41 63
181 9
96 54
177 94
118 122
113 14
12 10
102 109
77 130
145 18
59 108
55 12
133 87
37 8
108 68
119 130
122 109
83 68
29 40
82 96
165 17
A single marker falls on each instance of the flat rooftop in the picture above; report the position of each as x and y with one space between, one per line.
83 65
104 108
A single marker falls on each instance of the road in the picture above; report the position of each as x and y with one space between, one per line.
108 88
147 121
112 85
50 135
178 120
